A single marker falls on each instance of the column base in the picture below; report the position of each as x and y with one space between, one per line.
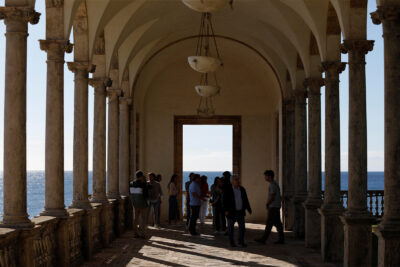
388 243
113 196
288 210
99 200
312 222
299 213
332 236
83 205
357 238
16 222
59 213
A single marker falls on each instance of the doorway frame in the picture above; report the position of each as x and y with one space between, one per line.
179 121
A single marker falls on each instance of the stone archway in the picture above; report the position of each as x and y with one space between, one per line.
179 121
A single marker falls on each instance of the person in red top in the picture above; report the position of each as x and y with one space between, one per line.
205 195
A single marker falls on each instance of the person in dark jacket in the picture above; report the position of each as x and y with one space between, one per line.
139 196
235 204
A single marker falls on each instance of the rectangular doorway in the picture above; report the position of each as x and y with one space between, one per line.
196 134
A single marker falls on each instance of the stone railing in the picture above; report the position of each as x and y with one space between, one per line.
375 201
65 241
185 209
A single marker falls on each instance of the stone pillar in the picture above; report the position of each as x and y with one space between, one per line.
16 20
80 163
289 162
313 202
113 144
99 139
54 157
300 162
124 104
357 219
332 208
388 230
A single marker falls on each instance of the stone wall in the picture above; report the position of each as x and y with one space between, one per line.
65 241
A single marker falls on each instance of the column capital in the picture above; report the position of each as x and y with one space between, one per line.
113 94
333 66
387 12
361 46
25 14
289 103
301 96
314 85
81 66
100 82
63 45
54 3
125 101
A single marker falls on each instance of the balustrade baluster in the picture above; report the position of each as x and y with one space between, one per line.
376 204
370 196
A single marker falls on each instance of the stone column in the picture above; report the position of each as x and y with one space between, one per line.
300 162
16 20
357 219
80 163
54 157
124 104
99 139
332 208
388 230
313 202
289 162
113 144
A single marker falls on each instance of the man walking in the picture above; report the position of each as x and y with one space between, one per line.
235 204
155 195
187 185
195 202
139 193
273 207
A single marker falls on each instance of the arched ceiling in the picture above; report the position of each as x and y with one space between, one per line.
281 30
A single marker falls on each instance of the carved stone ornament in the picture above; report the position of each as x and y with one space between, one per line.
20 13
333 66
362 46
314 85
63 45
86 66
385 13
54 3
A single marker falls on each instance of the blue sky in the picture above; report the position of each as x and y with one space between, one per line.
200 155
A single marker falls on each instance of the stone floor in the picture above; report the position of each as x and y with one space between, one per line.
170 246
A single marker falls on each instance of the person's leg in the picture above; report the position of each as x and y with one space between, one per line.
217 218
242 228
231 228
144 224
192 221
278 224
202 214
187 214
177 215
149 213
156 207
268 226
136 221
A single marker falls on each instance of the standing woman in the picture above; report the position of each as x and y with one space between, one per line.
173 201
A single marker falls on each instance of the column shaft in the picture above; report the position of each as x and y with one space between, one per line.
331 226
99 139
16 20
80 152
113 145
54 157
124 146
300 162
313 202
389 229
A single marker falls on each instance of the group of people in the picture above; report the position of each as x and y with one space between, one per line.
146 197
230 203
227 196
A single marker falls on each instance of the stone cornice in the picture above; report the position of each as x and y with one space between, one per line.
26 14
63 45
81 66
389 12
54 3
125 101
360 46
100 82
113 94
333 66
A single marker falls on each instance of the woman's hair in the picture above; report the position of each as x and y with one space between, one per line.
216 179
172 179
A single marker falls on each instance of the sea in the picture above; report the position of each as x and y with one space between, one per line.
36 185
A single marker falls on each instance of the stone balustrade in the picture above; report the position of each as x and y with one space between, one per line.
66 241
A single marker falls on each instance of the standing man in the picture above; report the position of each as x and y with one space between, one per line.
205 192
273 207
235 204
187 185
195 202
139 194
155 195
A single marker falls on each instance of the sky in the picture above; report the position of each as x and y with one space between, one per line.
195 155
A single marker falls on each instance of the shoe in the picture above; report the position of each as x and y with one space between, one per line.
260 240
194 234
243 245
233 245
279 242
